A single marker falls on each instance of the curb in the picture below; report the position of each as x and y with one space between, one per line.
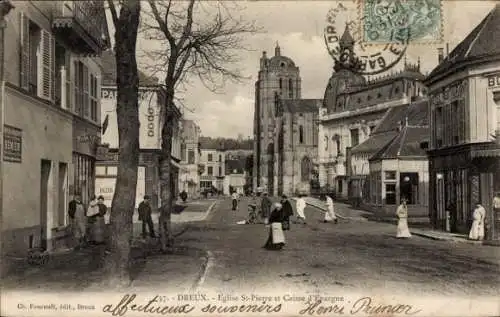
449 239
207 264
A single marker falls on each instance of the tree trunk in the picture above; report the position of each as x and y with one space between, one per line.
167 184
117 264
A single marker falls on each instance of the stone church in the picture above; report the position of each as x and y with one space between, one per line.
285 129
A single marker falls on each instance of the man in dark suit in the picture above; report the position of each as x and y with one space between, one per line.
145 215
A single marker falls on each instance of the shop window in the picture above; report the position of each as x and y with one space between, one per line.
112 170
390 194
390 175
83 181
408 183
100 170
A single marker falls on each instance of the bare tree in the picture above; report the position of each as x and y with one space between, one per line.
200 39
126 23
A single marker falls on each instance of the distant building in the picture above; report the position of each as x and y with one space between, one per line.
51 118
151 118
285 128
352 108
465 129
235 175
398 165
212 165
189 176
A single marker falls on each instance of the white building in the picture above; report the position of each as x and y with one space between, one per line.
151 118
213 167
189 176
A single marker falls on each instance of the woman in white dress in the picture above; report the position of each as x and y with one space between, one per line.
330 211
477 229
402 213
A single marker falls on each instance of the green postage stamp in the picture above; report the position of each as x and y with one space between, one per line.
383 20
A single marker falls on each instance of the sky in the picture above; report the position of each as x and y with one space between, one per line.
298 28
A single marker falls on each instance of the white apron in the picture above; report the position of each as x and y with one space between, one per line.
277 233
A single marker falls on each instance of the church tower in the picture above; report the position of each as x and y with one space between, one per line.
278 78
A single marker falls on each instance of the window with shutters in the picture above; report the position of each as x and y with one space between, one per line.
60 65
93 97
34 43
86 92
37 47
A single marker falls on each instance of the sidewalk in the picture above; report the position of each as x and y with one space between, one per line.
80 270
421 229
350 214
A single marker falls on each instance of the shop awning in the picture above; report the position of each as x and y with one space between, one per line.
485 153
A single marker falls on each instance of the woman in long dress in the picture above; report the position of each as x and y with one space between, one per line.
402 213
276 239
330 211
95 214
477 229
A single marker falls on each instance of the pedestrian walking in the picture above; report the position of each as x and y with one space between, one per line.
235 197
402 214
145 212
76 212
330 210
95 213
265 208
301 206
477 229
287 212
276 238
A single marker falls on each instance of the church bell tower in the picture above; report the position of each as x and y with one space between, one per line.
278 79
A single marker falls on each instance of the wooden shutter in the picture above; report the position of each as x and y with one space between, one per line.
46 63
86 94
24 66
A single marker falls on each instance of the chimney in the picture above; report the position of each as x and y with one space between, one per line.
440 55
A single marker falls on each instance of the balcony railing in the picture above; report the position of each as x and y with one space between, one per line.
82 24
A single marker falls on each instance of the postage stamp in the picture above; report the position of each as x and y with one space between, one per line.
343 35
382 21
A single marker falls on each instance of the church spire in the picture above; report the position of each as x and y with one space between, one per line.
346 41
277 50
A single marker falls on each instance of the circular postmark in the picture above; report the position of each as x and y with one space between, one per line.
346 25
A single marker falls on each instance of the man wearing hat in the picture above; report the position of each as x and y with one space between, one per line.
144 210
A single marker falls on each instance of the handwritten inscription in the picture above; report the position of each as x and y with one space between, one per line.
310 305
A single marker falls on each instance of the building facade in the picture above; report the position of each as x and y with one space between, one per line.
151 118
398 164
465 124
212 167
352 108
285 128
52 117
189 176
